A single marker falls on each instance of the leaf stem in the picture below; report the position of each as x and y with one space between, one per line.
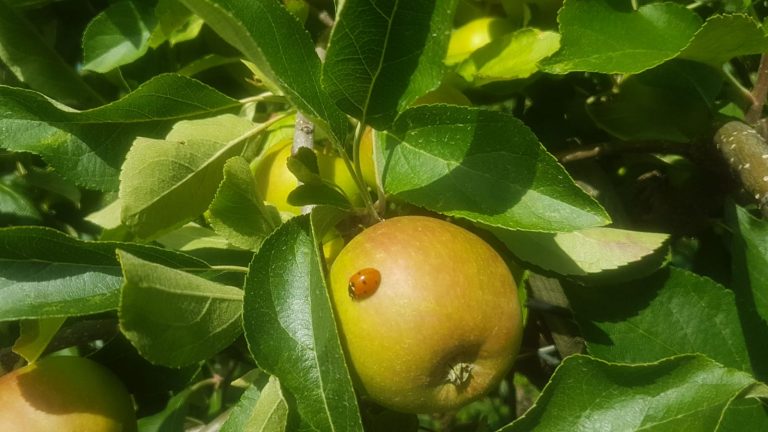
759 92
357 170
742 92
258 129
232 268
303 136
263 97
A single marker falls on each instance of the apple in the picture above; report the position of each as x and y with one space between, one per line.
274 181
428 314
473 35
445 94
366 158
65 394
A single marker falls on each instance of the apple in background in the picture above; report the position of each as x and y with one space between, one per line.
473 35
65 394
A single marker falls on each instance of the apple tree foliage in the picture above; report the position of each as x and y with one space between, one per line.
612 153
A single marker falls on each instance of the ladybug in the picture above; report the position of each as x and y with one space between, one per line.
364 283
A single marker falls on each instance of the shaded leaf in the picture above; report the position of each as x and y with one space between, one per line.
723 37
743 415
291 332
750 250
269 36
14 203
237 212
673 102
512 56
318 194
175 23
631 322
494 171
259 411
117 36
36 64
174 318
35 335
582 252
45 273
608 36
384 54
688 392
88 147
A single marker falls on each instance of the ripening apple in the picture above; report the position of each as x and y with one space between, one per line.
65 394
428 314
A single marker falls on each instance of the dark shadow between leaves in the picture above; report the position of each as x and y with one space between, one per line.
611 304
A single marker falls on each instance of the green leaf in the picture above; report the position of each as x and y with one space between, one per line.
303 165
36 64
290 328
743 415
269 36
384 54
117 36
174 318
45 273
582 252
175 23
166 183
750 258
684 393
631 323
88 147
608 36
723 37
265 411
172 418
494 171
14 203
237 212
512 56
192 236
673 102
35 335
318 194
51 181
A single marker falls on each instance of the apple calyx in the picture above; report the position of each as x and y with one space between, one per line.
459 374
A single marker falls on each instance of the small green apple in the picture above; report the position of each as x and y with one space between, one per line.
65 394
439 323
473 35
274 181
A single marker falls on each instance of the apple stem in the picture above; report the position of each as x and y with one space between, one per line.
355 170
460 374
303 136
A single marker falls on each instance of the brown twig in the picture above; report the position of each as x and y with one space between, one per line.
607 148
759 92
746 152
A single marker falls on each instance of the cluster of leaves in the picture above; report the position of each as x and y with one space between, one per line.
131 128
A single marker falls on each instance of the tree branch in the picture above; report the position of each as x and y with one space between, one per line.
759 92
747 155
607 148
